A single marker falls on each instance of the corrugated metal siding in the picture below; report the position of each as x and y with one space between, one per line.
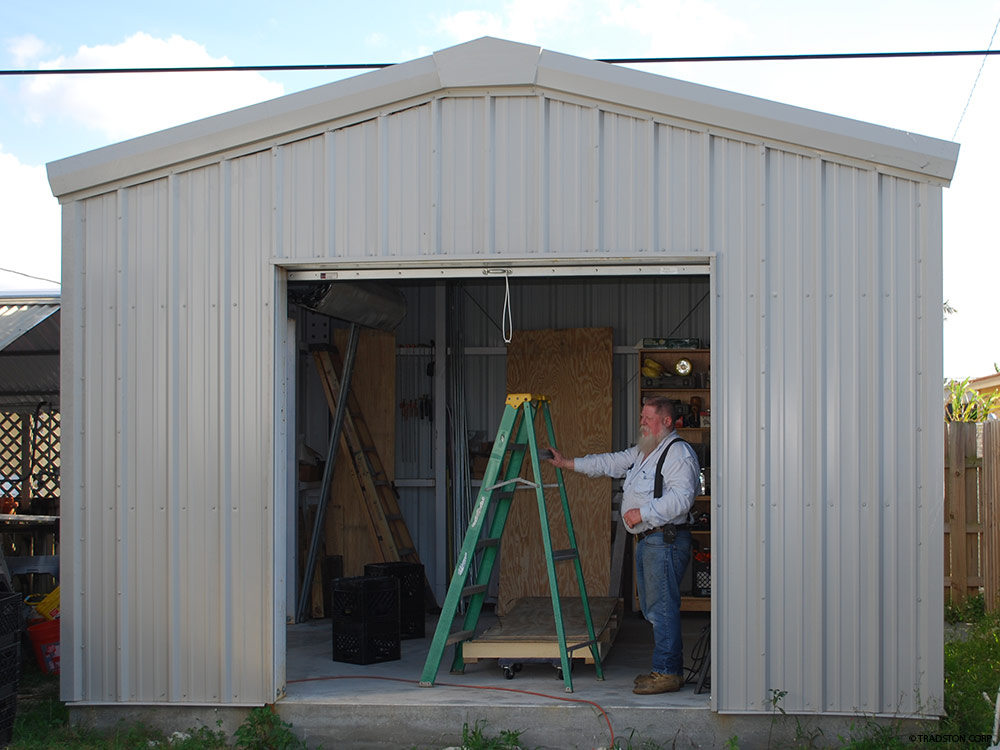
826 461
826 366
171 597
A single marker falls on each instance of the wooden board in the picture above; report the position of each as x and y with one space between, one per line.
528 631
573 368
374 385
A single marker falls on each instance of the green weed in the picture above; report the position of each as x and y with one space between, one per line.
646 744
971 668
972 610
476 738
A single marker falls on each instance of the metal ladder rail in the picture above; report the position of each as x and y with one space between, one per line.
571 534
517 405
472 544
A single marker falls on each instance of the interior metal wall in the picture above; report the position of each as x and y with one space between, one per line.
827 350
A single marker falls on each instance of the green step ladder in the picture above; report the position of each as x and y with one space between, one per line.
515 440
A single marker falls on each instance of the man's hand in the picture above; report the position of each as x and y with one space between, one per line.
559 460
632 517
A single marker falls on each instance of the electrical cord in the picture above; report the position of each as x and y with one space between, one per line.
698 654
604 713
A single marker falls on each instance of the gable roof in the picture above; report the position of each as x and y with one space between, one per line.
489 62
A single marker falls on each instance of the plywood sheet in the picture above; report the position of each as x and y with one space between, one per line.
529 630
573 367
374 386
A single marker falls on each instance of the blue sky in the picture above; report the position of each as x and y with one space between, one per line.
43 118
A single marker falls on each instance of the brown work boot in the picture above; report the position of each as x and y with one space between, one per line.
655 682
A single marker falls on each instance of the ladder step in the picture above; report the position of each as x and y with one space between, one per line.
473 590
577 646
461 635
487 542
565 554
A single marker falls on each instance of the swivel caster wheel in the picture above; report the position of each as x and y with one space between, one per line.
510 670
559 669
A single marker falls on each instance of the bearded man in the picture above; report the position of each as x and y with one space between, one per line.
661 481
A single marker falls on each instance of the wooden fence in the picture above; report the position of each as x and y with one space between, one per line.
972 512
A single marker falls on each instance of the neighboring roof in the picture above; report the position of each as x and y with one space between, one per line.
29 352
985 383
491 63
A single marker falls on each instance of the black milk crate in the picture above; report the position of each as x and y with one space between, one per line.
333 567
365 599
10 668
411 594
365 643
11 617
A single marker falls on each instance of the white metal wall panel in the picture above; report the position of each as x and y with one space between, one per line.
174 574
826 379
825 465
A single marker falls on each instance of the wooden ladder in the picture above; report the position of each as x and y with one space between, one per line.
515 440
388 528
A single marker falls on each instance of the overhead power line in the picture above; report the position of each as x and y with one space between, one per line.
613 60
28 275
981 66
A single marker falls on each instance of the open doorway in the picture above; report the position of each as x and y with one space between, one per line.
446 363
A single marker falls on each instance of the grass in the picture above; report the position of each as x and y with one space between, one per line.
42 723
971 666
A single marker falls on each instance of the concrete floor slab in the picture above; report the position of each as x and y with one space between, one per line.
382 705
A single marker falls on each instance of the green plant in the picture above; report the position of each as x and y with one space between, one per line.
265 730
775 700
973 609
872 735
630 741
966 404
733 743
971 668
476 739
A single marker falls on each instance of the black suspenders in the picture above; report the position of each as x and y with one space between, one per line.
658 484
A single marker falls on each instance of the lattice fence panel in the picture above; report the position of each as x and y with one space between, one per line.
11 454
45 456
29 461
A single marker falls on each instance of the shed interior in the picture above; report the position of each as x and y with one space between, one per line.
575 339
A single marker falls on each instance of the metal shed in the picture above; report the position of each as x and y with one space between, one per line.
820 239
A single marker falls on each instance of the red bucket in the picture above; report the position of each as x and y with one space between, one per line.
45 639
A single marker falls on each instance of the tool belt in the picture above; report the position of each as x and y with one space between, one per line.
669 531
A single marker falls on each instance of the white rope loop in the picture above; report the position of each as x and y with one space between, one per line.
507 322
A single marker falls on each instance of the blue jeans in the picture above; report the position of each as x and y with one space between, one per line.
659 568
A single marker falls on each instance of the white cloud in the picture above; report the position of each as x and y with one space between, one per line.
676 28
30 218
25 48
524 21
472 24
126 105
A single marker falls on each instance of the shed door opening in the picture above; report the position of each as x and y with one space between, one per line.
432 393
